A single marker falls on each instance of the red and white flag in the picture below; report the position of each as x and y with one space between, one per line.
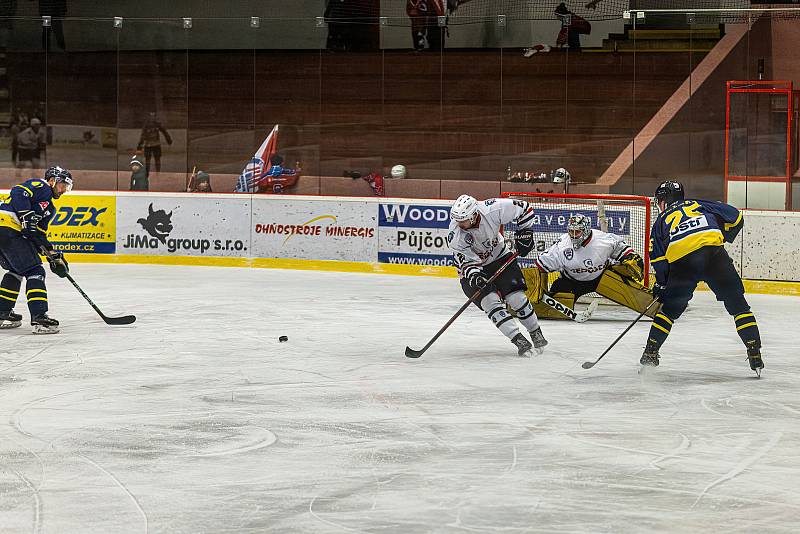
259 165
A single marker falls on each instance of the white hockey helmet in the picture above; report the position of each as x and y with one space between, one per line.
465 208
561 175
398 171
579 229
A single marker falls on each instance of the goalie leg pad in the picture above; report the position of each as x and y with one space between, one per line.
626 292
536 281
543 311
497 313
523 309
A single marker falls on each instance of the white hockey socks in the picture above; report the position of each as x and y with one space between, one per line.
496 310
523 309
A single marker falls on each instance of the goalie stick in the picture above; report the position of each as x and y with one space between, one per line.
411 353
589 365
569 313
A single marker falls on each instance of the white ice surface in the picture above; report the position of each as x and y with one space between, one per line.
196 419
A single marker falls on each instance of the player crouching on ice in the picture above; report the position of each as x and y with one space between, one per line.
24 217
588 261
686 247
480 249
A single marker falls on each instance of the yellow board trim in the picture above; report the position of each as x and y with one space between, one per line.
768 287
270 263
745 326
656 325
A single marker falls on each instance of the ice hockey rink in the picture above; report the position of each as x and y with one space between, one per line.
196 419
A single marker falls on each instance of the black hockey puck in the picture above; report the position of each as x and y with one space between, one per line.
283 338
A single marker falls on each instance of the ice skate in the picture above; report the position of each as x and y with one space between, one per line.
42 324
524 347
9 319
649 359
539 342
754 358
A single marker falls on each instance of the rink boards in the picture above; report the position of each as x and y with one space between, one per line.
399 236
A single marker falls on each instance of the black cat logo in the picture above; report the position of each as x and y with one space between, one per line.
158 224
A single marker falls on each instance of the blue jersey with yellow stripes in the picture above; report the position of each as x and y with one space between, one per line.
687 226
35 195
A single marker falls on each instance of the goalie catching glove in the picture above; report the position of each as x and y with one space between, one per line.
631 266
523 241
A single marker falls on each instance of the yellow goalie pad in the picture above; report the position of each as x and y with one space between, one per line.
626 292
537 283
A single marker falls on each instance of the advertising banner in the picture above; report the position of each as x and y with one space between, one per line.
85 224
414 234
202 225
314 229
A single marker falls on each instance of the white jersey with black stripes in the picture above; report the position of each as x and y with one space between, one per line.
586 262
484 242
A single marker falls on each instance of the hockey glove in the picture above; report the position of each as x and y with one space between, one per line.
477 280
58 264
631 266
658 291
29 220
523 242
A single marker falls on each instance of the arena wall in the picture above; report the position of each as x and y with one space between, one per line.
375 235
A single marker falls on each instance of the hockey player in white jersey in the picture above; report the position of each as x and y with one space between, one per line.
583 254
480 249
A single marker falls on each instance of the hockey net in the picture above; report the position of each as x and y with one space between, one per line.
626 215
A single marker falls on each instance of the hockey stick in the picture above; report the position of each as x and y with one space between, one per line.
589 365
569 313
411 353
125 319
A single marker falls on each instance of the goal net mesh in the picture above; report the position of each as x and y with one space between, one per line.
625 215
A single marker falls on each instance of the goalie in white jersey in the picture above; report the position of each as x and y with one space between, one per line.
582 256
480 250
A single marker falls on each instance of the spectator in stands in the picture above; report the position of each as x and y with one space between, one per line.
200 183
13 132
278 178
30 143
150 140
425 29
139 178
572 26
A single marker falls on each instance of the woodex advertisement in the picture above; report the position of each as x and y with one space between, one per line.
85 224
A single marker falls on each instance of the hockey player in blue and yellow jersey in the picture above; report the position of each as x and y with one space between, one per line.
686 247
24 218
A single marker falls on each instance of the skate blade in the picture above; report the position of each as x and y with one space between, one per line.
10 324
42 330
646 369
527 354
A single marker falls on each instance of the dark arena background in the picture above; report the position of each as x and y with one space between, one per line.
261 227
